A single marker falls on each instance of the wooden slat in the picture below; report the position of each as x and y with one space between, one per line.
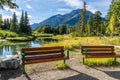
42 52
42 48
99 49
97 46
103 56
43 57
46 60
99 53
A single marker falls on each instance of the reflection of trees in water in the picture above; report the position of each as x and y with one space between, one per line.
13 48
1 50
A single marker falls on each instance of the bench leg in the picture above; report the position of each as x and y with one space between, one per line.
64 61
23 69
115 60
83 60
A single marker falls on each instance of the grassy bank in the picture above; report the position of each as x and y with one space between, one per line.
27 38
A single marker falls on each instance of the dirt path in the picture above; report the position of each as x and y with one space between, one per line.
77 71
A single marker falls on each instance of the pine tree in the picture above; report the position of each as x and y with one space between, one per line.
112 25
81 24
114 9
22 22
90 25
97 23
27 28
1 23
14 23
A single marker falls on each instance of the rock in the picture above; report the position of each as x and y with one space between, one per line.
11 62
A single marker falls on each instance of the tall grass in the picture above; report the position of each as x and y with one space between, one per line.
100 62
68 44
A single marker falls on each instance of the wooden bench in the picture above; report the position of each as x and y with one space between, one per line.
42 54
98 52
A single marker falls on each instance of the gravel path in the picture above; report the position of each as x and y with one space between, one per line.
77 71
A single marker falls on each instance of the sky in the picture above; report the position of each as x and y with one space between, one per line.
39 10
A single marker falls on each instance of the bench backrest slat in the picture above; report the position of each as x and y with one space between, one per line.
43 50
98 49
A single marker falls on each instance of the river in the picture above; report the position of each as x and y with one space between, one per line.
13 48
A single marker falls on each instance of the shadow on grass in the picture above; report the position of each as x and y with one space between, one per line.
79 76
7 74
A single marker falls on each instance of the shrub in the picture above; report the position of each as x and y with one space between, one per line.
61 65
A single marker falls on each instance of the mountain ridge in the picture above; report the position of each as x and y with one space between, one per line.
69 19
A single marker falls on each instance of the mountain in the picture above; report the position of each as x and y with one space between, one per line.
69 19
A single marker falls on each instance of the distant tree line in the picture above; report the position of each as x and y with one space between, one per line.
12 24
52 30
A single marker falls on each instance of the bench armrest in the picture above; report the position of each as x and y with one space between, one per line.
86 51
23 57
67 52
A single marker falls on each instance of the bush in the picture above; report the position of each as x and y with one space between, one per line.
61 66
5 33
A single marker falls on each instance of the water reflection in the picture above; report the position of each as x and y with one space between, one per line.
12 48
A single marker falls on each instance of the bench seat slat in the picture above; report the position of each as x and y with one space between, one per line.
99 53
97 46
42 52
46 60
43 57
103 56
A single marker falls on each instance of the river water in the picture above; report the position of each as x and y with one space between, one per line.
13 48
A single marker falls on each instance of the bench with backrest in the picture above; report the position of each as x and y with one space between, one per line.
42 54
98 52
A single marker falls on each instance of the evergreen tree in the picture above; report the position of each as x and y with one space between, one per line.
1 23
21 24
27 28
112 26
90 25
97 23
8 24
62 29
14 23
114 9
81 24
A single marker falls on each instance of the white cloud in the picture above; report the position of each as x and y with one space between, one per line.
13 10
78 4
29 16
28 6
64 10
91 8
6 16
73 3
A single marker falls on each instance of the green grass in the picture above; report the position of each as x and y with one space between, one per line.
27 38
61 65
42 35
100 62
